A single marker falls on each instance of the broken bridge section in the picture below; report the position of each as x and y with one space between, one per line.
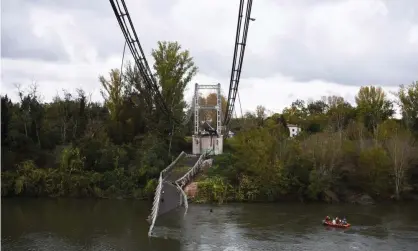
169 193
181 168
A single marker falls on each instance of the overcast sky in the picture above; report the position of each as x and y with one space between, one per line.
295 48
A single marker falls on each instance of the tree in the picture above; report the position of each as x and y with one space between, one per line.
373 170
74 147
408 102
174 69
65 113
317 107
373 106
136 89
339 113
113 93
257 151
324 150
296 112
356 131
261 115
6 115
400 148
80 117
32 113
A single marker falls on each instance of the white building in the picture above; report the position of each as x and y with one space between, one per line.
293 130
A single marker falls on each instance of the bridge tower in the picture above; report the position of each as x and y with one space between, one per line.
210 139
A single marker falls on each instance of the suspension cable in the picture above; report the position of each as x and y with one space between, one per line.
124 20
121 65
236 70
240 107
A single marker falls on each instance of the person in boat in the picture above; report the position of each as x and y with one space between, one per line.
327 219
334 221
344 221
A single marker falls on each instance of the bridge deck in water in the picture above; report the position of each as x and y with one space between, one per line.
169 193
170 197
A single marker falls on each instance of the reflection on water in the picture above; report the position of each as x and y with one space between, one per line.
42 224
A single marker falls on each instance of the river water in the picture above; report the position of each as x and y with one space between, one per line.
70 224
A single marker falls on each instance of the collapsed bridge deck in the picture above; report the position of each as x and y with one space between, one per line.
169 193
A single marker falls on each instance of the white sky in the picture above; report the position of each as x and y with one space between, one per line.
295 49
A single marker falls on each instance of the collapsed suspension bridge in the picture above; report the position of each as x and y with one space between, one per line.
169 193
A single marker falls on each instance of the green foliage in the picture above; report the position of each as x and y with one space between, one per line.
77 148
213 189
113 93
71 161
224 166
317 184
408 102
373 170
373 106
342 150
73 147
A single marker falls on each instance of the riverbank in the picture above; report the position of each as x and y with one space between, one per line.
30 181
208 189
221 183
215 192
213 185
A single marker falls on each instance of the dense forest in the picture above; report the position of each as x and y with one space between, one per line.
79 148
349 153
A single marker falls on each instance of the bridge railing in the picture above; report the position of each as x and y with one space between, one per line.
156 203
173 164
194 170
183 198
158 190
180 183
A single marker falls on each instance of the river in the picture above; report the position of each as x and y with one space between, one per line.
72 224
